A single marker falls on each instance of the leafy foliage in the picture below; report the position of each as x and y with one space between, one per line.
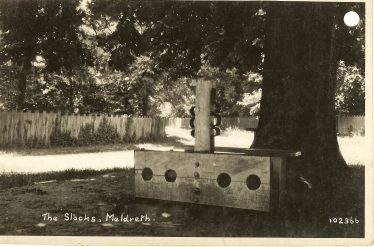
142 57
61 41
62 139
21 27
105 134
86 135
8 86
350 94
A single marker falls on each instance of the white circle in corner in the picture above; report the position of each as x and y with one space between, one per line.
351 19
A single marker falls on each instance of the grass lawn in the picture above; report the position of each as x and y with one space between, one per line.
69 150
98 193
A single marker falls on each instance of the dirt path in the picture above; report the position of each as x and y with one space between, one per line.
13 162
353 150
60 162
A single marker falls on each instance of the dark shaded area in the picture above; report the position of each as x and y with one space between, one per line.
298 91
11 180
113 193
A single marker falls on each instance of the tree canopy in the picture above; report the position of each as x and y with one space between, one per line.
132 57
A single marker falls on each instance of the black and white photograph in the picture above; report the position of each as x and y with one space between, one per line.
203 119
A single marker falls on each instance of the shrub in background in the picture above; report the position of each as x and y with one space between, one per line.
106 133
86 135
33 143
63 139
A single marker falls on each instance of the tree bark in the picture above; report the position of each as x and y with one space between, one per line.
146 90
297 105
71 94
22 82
24 70
145 99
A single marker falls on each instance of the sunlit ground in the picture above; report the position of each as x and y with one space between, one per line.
229 138
354 150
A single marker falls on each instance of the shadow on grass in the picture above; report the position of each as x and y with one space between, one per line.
339 212
70 150
10 180
306 214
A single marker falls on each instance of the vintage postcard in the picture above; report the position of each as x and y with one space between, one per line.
186 122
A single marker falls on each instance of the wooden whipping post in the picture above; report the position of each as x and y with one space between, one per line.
204 141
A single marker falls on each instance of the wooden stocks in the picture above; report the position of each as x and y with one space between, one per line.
203 141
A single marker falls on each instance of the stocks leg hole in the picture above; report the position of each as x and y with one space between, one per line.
170 175
224 180
253 182
147 174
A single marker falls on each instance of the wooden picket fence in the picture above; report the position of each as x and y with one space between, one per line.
348 125
18 129
226 122
176 122
345 125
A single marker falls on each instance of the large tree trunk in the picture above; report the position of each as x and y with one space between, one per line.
21 86
145 103
146 89
24 70
297 105
71 94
